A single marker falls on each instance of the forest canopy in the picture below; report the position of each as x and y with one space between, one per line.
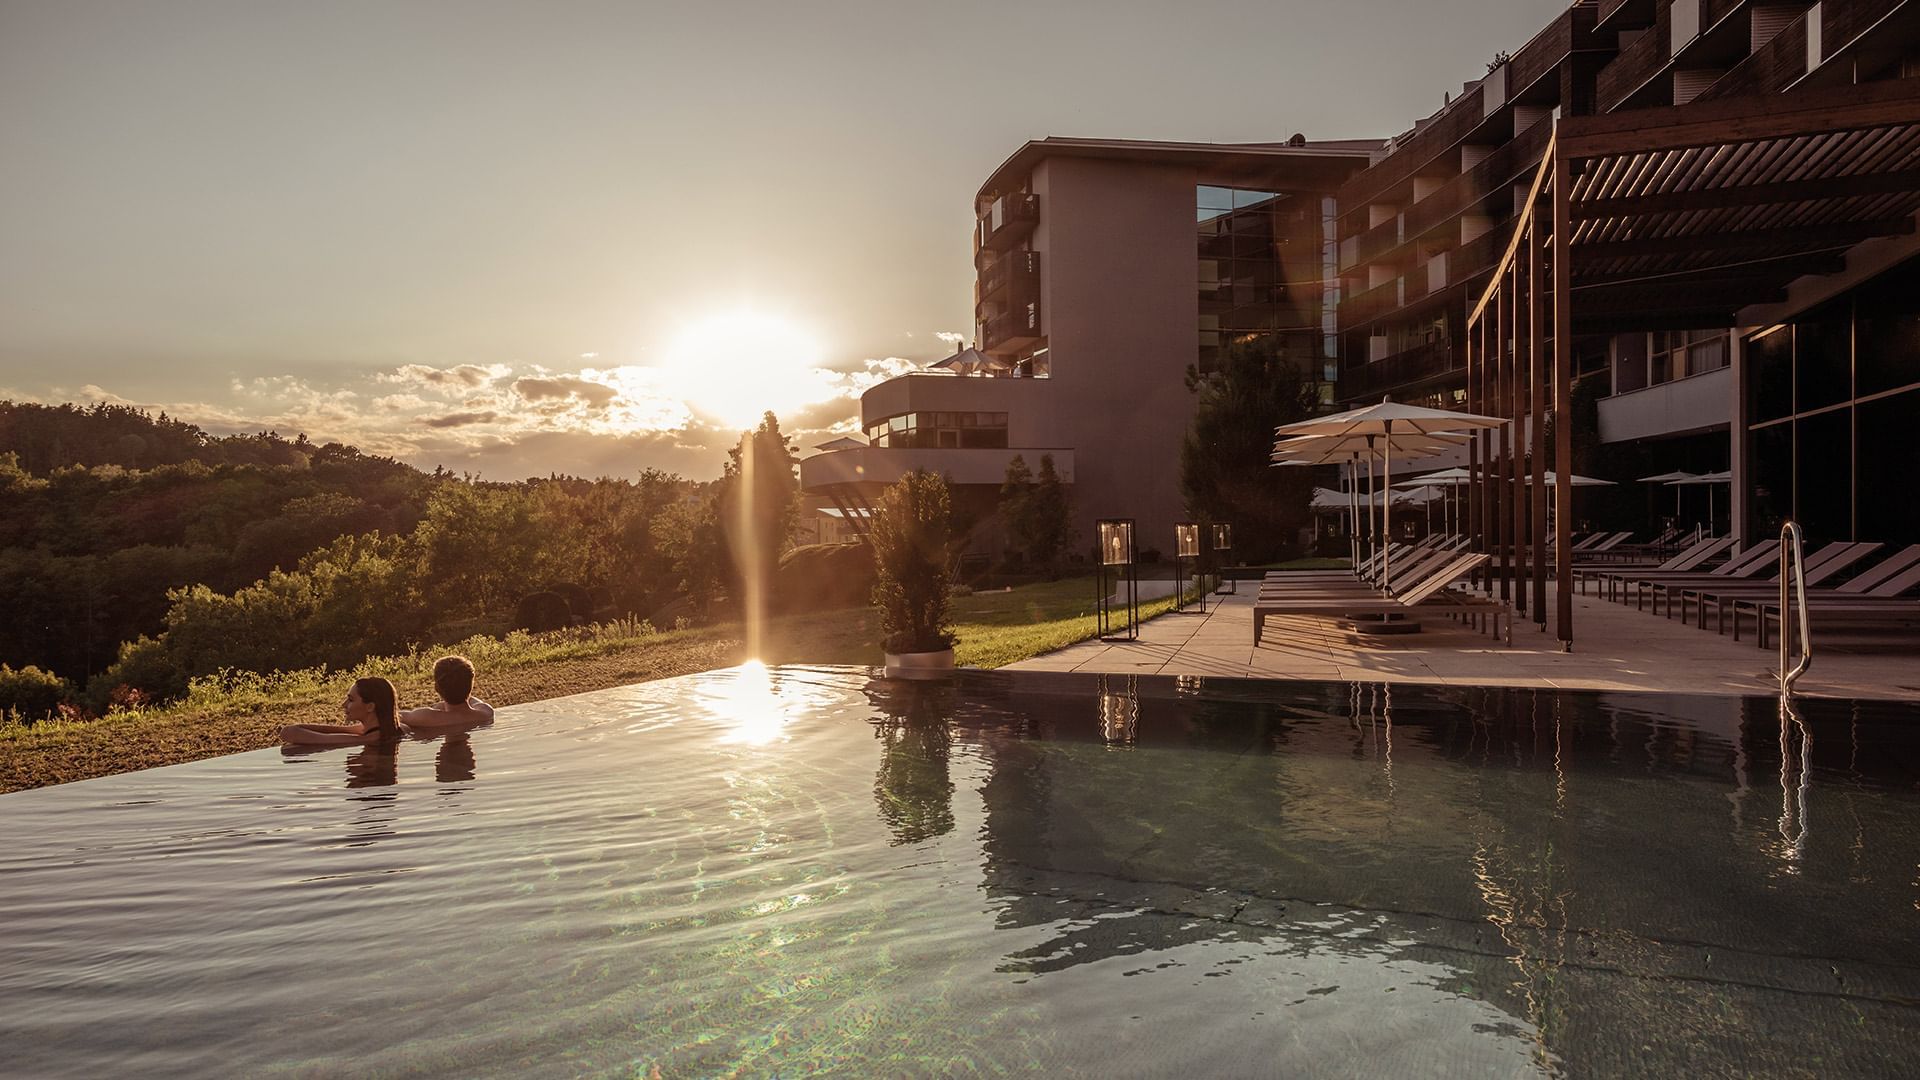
138 551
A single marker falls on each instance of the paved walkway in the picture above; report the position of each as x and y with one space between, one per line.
1615 648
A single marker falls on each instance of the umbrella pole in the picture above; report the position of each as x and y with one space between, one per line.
1373 525
1386 516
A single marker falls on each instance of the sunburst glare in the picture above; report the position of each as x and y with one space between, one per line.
732 366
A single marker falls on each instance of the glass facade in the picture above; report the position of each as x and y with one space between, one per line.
1649 359
940 430
1833 400
1264 258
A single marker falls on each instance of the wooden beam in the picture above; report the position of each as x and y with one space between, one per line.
1628 324
1888 103
1785 268
1819 189
1816 239
1679 299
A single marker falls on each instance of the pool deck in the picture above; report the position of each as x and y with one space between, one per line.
1615 648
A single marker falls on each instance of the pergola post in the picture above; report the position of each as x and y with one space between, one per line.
1503 567
1515 412
1562 181
1536 434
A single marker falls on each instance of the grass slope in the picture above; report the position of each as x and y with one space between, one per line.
237 712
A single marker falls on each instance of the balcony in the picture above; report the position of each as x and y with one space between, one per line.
1416 150
1013 330
1013 280
1572 31
1422 363
885 465
1840 24
1636 65
1008 220
1770 69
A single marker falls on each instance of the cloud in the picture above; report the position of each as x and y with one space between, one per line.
400 403
460 419
452 379
594 395
954 338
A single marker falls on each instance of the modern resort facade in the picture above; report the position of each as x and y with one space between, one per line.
1736 224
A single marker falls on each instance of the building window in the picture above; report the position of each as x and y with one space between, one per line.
1262 264
940 430
1676 354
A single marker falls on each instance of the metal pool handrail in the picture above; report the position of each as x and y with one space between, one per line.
1790 546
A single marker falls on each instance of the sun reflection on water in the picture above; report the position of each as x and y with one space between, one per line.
748 701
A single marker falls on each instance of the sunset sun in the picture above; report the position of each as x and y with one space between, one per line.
732 366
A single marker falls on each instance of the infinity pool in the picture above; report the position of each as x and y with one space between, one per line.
775 873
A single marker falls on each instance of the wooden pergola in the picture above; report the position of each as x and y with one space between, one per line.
1669 218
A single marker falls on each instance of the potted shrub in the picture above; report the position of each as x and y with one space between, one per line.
910 535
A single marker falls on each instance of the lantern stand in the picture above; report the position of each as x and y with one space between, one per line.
1223 542
1117 565
1186 554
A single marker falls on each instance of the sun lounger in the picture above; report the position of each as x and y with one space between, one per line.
1426 595
1885 581
1645 587
1821 566
1689 559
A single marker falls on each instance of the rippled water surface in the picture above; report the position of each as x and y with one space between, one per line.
754 873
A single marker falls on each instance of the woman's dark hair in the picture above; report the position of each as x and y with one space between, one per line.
378 693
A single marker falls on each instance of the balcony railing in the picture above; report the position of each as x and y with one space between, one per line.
1636 64
1014 279
1011 330
1769 70
1572 31
1419 364
1008 219
1841 23
1415 151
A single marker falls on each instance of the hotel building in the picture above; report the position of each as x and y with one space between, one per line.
1737 231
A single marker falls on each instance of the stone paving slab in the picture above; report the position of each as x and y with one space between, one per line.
1615 648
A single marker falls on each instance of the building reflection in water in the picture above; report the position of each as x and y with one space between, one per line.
1565 856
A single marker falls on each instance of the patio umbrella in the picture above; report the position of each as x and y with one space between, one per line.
1389 418
1723 477
1350 447
1669 478
971 361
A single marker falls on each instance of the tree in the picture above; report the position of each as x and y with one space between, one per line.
1225 469
1016 500
910 532
759 508
1049 519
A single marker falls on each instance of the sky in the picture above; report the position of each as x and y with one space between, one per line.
591 238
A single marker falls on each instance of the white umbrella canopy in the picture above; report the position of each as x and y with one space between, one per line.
1668 478
1576 480
1387 418
1330 449
970 361
1443 478
1722 477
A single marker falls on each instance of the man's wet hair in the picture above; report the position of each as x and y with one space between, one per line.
453 679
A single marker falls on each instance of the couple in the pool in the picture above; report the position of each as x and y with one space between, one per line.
372 710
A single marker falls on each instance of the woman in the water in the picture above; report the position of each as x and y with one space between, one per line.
372 716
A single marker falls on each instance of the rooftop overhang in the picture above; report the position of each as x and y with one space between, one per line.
1682 216
1314 166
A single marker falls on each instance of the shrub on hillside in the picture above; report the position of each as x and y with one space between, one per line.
28 694
819 577
542 611
579 600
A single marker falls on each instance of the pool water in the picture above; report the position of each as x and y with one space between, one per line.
759 873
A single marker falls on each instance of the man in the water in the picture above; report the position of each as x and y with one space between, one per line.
457 707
